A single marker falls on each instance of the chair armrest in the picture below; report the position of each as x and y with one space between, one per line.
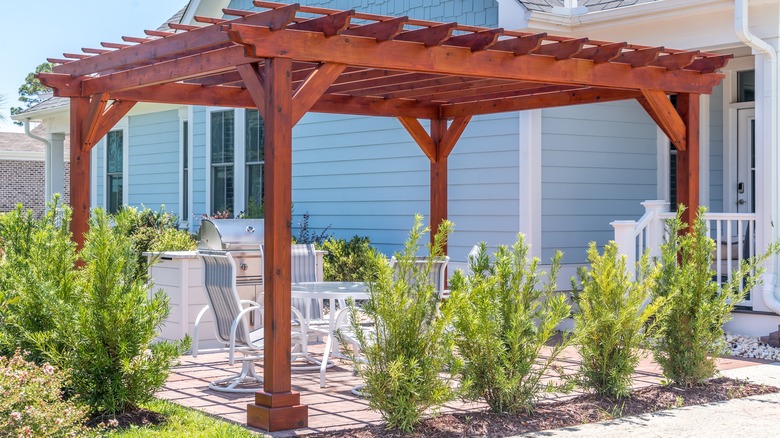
234 327
195 335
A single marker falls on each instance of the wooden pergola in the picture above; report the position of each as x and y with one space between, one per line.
289 59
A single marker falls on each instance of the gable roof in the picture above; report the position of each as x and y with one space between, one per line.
592 5
20 146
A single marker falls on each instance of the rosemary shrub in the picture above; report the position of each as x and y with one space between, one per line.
504 317
408 347
612 320
689 333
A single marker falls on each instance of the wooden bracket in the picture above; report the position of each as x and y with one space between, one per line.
255 84
437 149
99 120
313 88
661 110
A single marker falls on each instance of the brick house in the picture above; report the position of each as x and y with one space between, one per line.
23 170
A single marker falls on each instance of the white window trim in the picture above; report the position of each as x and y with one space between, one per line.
239 161
124 126
184 222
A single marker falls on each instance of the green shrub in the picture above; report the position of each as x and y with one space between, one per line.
409 348
37 278
171 239
31 402
254 210
113 363
152 231
690 323
349 260
504 317
611 323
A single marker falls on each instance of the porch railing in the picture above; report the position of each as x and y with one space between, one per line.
733 233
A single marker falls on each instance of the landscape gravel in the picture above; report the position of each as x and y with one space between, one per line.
752 347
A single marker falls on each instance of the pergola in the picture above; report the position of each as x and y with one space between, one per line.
289 59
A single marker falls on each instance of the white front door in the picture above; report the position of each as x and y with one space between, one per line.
746 162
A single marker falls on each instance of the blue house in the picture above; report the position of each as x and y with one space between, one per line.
561 176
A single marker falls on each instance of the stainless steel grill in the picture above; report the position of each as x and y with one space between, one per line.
242 238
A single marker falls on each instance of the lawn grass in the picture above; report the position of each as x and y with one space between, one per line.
182 422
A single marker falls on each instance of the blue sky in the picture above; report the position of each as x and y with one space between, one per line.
32 31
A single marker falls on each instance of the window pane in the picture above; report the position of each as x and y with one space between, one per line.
254 184
746 86
222 136
114 141
114 193
222 188
254 136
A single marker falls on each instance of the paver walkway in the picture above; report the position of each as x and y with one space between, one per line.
333 407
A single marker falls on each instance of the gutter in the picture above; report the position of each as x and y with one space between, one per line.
765 49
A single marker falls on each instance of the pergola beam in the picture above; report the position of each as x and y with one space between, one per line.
189 94
548 100
450 60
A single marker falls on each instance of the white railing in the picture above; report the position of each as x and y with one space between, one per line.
733 233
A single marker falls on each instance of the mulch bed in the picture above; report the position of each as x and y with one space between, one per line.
571 412
137 417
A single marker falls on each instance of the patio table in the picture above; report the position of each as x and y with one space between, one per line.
332 291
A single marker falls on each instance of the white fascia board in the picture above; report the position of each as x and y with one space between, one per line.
705 24
21 156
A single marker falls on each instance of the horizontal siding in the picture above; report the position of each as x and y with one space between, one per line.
716 149
365 176
598 164
154 160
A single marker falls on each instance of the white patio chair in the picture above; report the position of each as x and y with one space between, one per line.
231 322
436 276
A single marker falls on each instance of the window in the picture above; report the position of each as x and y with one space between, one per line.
185 170
255 159
114 166
222 152
746 86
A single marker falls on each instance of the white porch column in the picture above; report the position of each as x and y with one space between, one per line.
767 168
55 165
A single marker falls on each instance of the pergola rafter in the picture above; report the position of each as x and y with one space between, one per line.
288 60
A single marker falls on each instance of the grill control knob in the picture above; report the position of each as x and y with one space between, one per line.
250 229
244 266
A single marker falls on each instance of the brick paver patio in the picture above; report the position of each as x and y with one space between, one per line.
334 407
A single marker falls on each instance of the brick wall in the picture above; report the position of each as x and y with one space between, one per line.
23 181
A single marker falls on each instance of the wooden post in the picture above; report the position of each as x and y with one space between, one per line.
438 179
277 407
79 171
688 159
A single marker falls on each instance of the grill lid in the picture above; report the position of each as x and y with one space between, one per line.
231 234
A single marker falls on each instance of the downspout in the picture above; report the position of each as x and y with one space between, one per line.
31 135
765 49
46 155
